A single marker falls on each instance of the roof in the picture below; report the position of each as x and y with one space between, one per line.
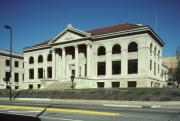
111 29
7 53
104 30
114 28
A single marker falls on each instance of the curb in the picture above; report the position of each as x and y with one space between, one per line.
112 103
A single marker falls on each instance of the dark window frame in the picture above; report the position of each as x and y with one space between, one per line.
40 59
132 84
116 69
31 60
115 84
31 73
116 49
40 73
133 66
16 77
49 58
16 64
101 68
49 72
133 47
100 84
7 62
101 51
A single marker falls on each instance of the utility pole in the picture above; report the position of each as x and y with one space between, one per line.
10 89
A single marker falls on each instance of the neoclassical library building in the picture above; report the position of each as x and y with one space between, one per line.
120 56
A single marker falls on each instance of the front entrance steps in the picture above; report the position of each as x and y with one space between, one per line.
59 86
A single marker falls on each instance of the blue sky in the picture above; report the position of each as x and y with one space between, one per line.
34 21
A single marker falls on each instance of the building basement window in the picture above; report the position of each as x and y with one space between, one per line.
100 84
39 86
30 86
133 66
16 87
115 84
101 68
40 73
132 84
116 67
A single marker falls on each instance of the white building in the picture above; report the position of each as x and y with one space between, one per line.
125 55
17 70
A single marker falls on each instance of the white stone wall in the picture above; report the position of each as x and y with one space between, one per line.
4 68
61 70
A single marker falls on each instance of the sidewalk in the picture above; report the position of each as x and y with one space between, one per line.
111 103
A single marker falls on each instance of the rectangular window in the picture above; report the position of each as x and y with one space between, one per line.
39 86
150 64
133 66
101 68
40 73
31 73
116 67
7 62
154 68
16 77
16 87
7 76
49 72
132 84
30 86
100 84
115 84
23 77
16 63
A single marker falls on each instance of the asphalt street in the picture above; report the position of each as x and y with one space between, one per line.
58 112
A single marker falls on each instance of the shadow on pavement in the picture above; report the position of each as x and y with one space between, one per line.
12 117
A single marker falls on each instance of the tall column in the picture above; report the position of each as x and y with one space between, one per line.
76 61
63 63
108 62
124 60
53 64
88 61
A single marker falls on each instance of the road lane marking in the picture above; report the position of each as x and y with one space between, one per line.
59 118
61 110
131 106
123 106
25 111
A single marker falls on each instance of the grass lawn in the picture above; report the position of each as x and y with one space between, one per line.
129 94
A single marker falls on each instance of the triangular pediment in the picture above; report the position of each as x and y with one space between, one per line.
70 34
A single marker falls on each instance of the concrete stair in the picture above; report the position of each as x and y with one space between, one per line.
59 86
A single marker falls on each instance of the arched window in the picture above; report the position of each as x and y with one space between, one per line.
133 47
155 51
49 57
40 59
151 48
116 49
31 60
101 51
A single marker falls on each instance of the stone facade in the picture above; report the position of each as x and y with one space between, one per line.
17 70
125 55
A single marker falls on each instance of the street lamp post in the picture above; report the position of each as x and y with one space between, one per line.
10 28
